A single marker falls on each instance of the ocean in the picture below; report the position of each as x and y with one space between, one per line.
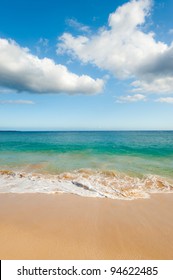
112 164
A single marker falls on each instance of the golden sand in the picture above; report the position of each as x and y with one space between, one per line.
38 226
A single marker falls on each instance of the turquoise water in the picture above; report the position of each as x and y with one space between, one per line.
87 159
132 152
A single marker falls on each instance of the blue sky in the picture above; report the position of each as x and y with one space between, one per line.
86 65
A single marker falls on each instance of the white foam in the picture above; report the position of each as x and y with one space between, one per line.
87 183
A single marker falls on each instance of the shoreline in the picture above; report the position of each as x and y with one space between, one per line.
63 226
85 183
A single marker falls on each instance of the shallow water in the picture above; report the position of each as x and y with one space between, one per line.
111 164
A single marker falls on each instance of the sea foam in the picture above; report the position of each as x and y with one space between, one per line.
85 182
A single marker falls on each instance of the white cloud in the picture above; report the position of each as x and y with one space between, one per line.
28 102
77 25
157 85
165 100
131 98
22 71
124 49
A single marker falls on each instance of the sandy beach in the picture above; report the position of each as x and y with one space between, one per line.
60 226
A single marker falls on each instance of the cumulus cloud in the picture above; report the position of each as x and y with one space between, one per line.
165 100
28 102
126 50
131 98
157 85
22 71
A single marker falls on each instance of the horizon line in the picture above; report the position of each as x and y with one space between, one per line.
87 130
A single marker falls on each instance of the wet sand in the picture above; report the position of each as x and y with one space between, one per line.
61 226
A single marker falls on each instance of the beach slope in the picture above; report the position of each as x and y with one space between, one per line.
60 226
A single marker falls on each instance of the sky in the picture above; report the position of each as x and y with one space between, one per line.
86 65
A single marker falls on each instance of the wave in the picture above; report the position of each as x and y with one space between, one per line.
85 182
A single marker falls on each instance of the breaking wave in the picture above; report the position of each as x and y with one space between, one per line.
85 182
